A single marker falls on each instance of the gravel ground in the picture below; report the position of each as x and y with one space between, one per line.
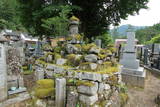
144 97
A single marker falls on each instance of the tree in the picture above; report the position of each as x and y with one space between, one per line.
106 39
57 26
97 15
146 34
155 39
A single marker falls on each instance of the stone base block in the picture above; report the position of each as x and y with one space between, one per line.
132 79
3 94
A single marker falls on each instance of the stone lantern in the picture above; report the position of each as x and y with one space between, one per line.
73 27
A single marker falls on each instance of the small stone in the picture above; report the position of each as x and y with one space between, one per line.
93 66
61 61
91 76
99 62
88 90
105 77
91 58
88 100
95 50
41 103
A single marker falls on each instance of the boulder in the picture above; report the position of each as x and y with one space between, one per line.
88 90
88 100
95 50
91 76
91 58
71 49
61 61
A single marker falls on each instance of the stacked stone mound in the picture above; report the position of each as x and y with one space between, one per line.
91 72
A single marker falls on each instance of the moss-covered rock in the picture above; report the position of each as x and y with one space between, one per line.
44 88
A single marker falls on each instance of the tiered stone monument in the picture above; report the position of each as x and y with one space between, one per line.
3 74
132 73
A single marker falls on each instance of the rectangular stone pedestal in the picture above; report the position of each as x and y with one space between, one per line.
134 78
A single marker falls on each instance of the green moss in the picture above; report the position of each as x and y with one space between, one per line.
57 56
46 47
57 49
49 53
124 98
78 37
69 38
78 46
24 67
41 62
73 18
42 93
27 72
44 88
87 47
42 58
112 49
85 83
70 59
45 83
102 56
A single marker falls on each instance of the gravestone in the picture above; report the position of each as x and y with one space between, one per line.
3 74
146 56
60 92
132 73
98 42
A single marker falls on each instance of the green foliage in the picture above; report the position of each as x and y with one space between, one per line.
146 34
96 16
155 39
27 72
106 39
58 25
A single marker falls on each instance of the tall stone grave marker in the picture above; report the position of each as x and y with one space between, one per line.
60 92
132 73
3 74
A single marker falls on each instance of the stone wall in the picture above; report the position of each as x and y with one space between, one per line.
85 88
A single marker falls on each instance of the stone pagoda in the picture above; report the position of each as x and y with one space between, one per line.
132 73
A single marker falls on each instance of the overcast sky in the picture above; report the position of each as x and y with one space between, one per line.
146 17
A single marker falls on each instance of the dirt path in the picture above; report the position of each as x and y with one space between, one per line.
144 97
